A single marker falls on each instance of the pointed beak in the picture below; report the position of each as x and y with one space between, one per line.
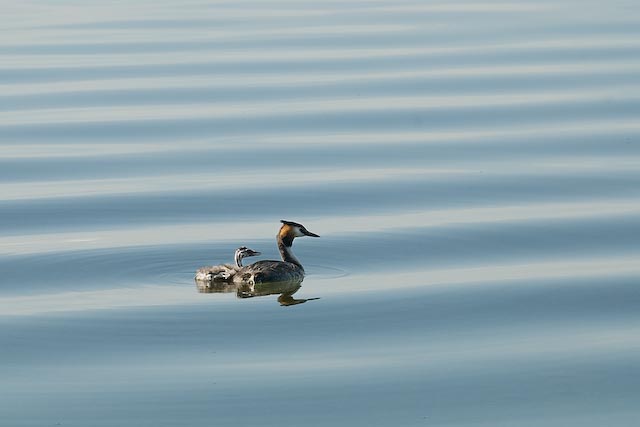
308 233
253 253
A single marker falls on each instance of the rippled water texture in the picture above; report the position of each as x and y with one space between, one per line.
473 169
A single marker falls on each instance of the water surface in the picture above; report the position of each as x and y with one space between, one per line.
473 169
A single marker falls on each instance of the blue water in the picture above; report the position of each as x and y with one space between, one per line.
473 169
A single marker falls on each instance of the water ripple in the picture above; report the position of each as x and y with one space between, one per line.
472 168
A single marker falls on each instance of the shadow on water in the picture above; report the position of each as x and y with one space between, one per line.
285 290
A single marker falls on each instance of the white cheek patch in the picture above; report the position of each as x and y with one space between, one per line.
298 233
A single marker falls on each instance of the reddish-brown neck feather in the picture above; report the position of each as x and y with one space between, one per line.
286 235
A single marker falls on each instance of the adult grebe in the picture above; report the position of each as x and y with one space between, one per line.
289 269
224 272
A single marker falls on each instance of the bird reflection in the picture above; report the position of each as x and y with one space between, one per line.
285 289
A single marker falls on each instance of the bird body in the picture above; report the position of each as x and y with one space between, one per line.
225 272
270 271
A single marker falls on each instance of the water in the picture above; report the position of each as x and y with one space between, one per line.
472 168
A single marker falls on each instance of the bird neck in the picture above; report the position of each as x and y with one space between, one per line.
238 259
284 246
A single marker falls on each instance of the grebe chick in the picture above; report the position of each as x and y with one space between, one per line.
289 269
224 272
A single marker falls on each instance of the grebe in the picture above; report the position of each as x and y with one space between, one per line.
289 269
224 272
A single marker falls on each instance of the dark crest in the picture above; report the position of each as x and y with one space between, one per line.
301 227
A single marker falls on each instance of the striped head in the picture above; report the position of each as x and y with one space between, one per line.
290 230
243 252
